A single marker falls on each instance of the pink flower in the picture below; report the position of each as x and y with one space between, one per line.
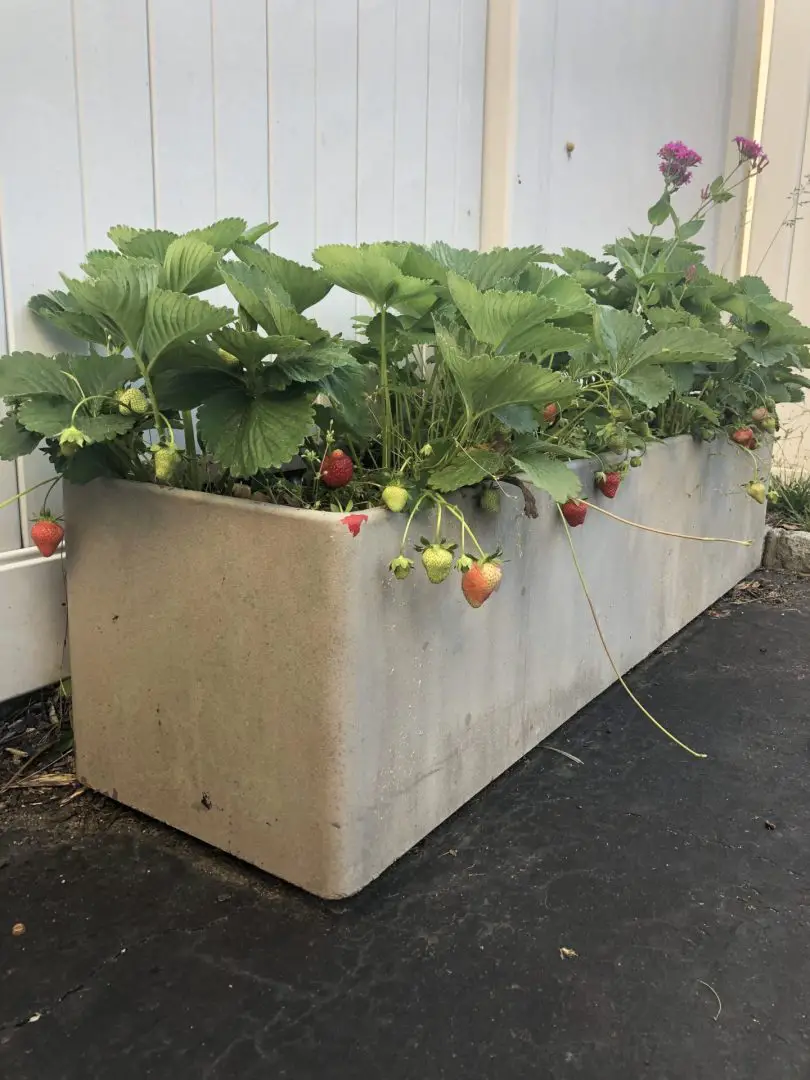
749 150
354 522
676 162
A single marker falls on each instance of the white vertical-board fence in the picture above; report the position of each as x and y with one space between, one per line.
345 120
779 247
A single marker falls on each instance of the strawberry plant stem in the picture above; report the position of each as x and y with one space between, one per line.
665 532
388 422
20 494
191 450
616 671
457 514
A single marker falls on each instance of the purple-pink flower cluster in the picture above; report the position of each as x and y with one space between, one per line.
677 161
749 150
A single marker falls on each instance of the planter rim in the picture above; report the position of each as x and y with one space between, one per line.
373 513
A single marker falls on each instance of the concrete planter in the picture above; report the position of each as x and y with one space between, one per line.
253 676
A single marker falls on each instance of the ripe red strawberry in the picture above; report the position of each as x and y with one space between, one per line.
744 436
337 469
574 512
480 582
608 483
47 533
550 413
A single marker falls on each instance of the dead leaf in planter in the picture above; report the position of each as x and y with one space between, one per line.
568 954
18 929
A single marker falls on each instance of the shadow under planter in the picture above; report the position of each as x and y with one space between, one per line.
253 675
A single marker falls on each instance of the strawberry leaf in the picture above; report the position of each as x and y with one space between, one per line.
549 475
15 440
247 434
467 467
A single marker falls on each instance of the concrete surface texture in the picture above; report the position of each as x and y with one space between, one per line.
666 880
255 677
787 549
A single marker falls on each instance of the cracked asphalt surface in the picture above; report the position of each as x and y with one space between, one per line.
678 887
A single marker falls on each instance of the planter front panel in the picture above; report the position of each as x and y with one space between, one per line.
254 676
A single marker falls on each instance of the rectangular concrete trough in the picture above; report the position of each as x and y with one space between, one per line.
253 675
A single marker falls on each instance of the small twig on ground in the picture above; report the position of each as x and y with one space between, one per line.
564 753
47 780
719 1002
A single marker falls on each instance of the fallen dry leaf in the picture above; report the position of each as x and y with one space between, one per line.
567 954
18 929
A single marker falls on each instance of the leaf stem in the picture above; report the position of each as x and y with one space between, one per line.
20 494
191 450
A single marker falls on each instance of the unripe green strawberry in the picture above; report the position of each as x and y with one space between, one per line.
132 400
395 497
490 500
400 567
635 462
167 458
426 451
769 425
438 562
757 490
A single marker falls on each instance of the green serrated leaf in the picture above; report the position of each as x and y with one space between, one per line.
485 269
25 373
119 295
288 322
96 262
15 440
61 310
682 345
304 285
649 384
361 270
143 243
487 383
187 375
187 259
466 468
617 333
247 434
549 475
347 388
766 355
222 235
101 374
104 427
492 315
520 418
256 232
173 317
250 347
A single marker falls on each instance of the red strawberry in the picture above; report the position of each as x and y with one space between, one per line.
47 534
744 436
550 413
574 512
608 483
480 582
337 469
